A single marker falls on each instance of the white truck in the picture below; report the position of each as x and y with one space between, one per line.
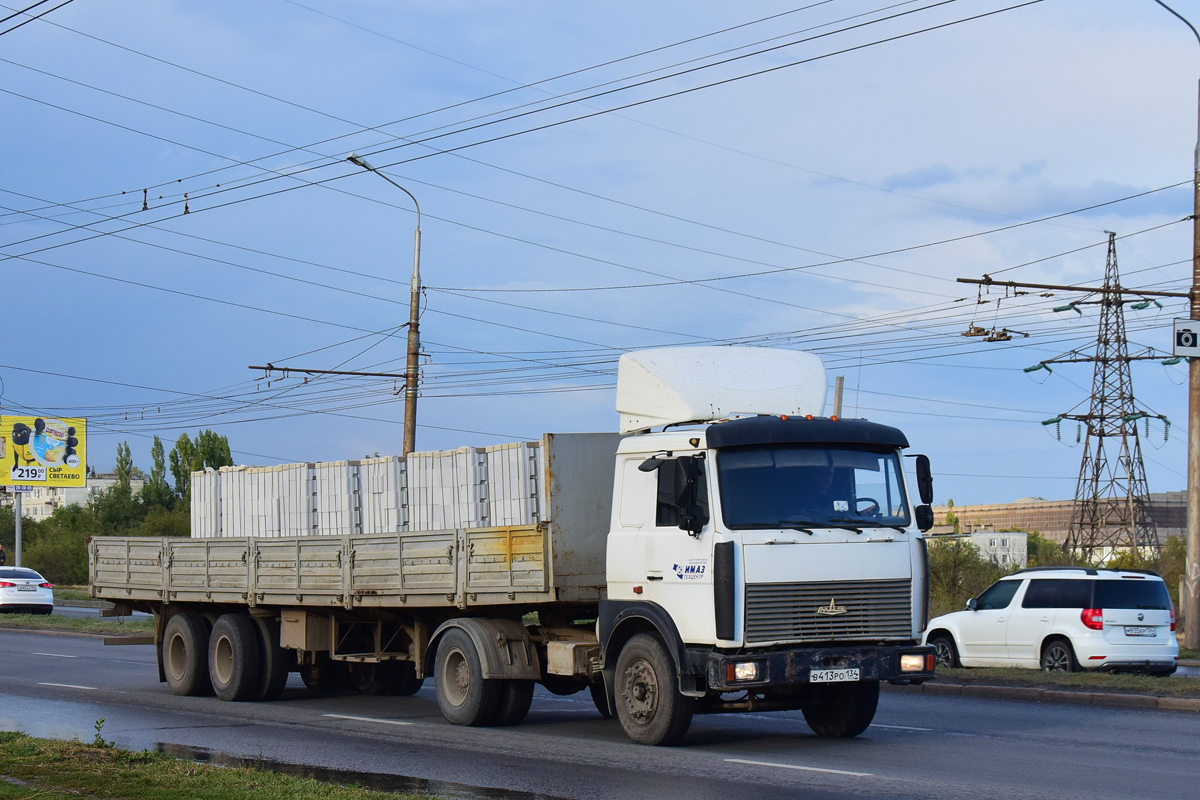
731 550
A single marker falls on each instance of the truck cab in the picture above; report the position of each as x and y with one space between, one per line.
772 552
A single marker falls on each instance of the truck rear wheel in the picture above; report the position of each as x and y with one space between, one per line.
275 660
841 709
516 698
323 675
233 658
185 655
463 695
649 705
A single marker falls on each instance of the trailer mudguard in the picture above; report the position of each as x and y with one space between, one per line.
506 651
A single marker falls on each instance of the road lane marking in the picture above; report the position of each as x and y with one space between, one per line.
53 655
68 686
368 719
902 727
797 766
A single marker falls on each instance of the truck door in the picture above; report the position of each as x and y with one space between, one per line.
679 563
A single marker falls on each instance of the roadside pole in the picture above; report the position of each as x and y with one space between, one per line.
17 530
1190 605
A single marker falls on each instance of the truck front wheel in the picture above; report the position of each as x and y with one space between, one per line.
649 705
185 654
841 709
233 657
463 695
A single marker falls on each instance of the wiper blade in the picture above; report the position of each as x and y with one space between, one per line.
833 523
795 526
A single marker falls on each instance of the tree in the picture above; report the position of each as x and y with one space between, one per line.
183 454
209 449
1043 552
951 517
124 467
157 492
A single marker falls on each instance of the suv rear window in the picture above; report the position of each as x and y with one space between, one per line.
1131 593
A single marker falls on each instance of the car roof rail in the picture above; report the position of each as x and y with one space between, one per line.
1087 570
1138 571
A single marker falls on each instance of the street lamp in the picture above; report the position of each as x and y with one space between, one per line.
414 335
1190 598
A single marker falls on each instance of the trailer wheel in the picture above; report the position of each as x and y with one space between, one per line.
404 681
185 655
233 658
463 695
649 705
516 698
275 660
323 677
841 709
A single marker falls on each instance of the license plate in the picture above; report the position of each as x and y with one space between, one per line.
832 675
26 588
1138 630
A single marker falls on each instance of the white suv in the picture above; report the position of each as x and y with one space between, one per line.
1063 619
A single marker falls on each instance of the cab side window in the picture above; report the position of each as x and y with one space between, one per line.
998 596
666 514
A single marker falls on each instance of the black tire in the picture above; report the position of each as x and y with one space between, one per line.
404 681
324 676
600 699
516 699
562 685
946 650
275 661
1058 656
649 705
463 695
185 655
841 710
234 666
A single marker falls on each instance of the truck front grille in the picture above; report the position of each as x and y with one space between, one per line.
828 612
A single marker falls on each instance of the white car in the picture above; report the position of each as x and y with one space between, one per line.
1063 619
25 591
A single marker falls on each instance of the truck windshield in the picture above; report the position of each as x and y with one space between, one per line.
793 485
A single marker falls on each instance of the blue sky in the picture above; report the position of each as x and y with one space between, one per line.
804 181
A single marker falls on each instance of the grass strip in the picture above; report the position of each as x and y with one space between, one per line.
1072 681
108 626
46 768
71 594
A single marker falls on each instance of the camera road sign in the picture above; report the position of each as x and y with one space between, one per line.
1187 338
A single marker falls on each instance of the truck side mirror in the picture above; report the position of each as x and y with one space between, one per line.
924 480
689 471
924 517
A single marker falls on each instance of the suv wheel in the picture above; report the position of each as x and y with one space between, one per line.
1057 656
946 652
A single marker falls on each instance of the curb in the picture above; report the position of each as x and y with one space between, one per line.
1106 699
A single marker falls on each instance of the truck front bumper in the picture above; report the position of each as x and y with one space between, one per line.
728 672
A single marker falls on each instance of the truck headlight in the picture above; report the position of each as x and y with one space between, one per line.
913 662
741 671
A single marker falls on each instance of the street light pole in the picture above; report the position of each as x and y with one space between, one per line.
414 322
1190 601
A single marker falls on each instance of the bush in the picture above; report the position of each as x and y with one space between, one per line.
957 572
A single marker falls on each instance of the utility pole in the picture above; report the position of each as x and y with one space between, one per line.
1190 601
411 373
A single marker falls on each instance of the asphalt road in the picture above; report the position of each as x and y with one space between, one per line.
921 746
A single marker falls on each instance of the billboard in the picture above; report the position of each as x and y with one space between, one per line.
41 451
